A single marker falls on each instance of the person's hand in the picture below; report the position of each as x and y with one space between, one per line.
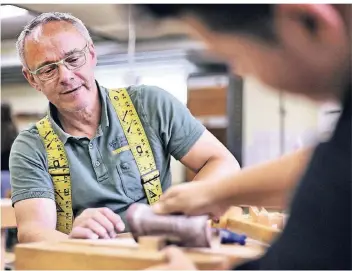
194 198
176 260
97 223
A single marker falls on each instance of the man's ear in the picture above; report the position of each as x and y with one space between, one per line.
92 54
311 22
29 77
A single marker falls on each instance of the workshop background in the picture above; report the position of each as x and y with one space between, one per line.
254 123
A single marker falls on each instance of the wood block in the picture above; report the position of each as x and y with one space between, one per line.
276 220
253 230
8 218
254 213
233 211
263 219
151 242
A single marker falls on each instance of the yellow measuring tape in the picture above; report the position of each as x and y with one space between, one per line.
60 172
58 164
138 142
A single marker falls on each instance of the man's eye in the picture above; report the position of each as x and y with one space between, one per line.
72 59
47 70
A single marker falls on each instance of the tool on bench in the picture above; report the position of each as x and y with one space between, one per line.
181 230
230 237
177 229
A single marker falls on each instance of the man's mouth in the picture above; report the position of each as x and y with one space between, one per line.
70 91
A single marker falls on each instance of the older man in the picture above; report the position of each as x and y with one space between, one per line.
305 50
98 150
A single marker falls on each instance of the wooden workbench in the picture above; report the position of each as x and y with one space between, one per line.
123 253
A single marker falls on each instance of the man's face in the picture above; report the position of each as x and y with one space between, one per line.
314 64
70 89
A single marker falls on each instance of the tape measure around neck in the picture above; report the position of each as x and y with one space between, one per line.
138 142
59 170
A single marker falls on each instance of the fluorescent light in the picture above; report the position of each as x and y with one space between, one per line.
10 11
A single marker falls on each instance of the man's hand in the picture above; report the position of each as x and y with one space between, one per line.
195 198
97 223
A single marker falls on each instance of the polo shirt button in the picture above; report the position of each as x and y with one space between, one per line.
90 145
97 163
125 166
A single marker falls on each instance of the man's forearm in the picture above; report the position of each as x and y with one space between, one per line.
268 185
39 234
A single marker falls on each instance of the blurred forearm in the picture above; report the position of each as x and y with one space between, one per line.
269 184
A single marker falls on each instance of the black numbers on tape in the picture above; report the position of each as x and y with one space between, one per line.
56 163
66 192
139 149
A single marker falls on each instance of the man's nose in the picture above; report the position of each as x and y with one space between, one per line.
65 75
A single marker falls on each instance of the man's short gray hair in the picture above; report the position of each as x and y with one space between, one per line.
44 18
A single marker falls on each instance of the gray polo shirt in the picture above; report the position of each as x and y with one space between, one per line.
99 177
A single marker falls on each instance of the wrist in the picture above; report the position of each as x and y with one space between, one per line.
224 190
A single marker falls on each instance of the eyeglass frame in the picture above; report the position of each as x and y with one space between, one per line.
62 62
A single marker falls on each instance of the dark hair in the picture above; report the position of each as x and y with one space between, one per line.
8 134
250 19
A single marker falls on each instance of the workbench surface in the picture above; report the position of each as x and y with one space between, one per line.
122 253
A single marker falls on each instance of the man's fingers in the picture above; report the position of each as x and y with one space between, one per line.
114 218
169 193
106 223
167 206
82 233
96 228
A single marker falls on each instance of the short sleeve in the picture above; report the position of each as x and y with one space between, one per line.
171 120
28 168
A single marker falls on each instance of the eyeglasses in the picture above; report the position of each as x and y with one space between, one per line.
71 62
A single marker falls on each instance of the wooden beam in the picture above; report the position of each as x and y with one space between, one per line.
253 230
120 254
40 256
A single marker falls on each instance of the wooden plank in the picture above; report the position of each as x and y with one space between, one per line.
232 251
8 218
118 254
42 256
253 230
